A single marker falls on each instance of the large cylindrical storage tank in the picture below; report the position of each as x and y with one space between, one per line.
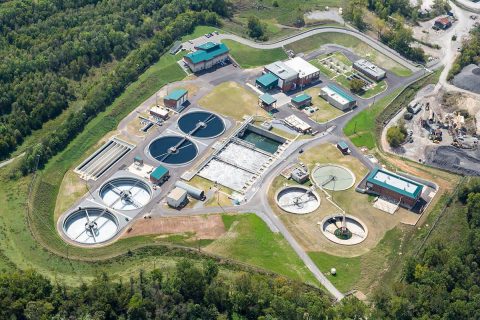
192 191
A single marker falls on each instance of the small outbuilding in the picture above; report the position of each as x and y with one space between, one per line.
442 23
297 124
177 198
301 101
267 101
176 99
158 112
343 147
159 175
299 175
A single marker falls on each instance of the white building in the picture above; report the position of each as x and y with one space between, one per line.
337 98
307 72
297 124
159 112
369 69
177 197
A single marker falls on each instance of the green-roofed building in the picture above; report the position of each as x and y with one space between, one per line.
267 81
207 55
176 99
337 97
301 101
405 192
159 175
267 101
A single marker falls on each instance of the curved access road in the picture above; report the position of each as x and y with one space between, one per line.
468 5
377 45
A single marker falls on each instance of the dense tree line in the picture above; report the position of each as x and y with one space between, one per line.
42 79
389 24
444 282
470 53
190 292
48 47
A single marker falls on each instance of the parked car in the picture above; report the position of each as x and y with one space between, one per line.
408 116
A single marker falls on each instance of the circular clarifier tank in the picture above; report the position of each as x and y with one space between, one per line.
90 225
333 177
297 199
173 150
125 193
347 230
201 124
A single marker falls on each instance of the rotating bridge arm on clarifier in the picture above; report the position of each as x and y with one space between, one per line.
173 149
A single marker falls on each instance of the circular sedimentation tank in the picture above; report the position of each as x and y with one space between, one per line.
125 193
174 150
333 177
90 225
201 124
297 199
351 232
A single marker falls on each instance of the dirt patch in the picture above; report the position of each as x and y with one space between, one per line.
204 227
71 189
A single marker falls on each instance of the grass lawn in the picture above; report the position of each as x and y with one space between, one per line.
357 46
325 110
361 128
249 57
348 269
251 241
378 88
232 100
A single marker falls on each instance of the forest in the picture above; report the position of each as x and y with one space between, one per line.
442 282
190 292
51 49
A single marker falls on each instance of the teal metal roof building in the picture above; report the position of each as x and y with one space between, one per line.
267 99
176 94
302 100
267 81
391 185
159 175
341 93
206 52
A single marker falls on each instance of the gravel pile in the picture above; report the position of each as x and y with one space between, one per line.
469 78
466 162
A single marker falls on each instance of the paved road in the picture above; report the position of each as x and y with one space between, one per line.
367 39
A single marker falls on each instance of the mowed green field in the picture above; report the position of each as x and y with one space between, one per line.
357 46
248 57
250 240
348 269
361 128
